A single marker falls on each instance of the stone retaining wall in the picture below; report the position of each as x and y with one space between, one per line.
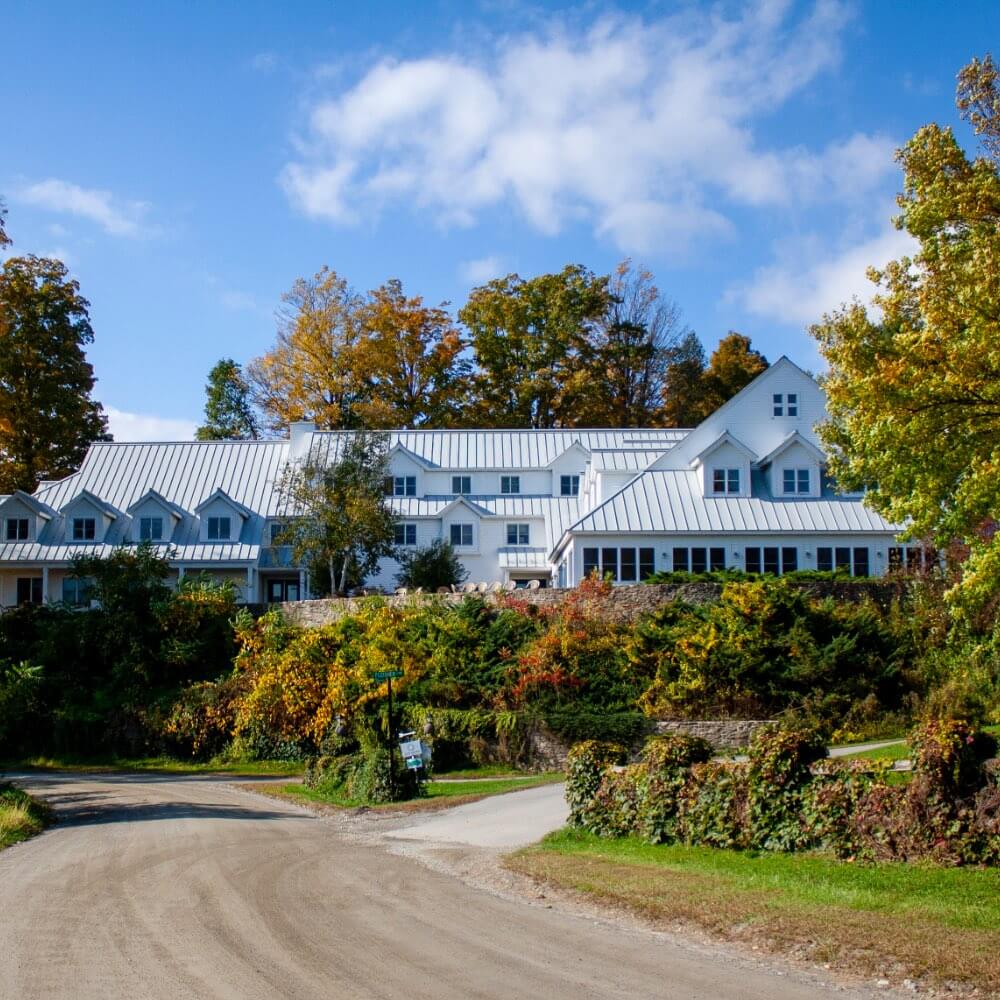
720 733
622 604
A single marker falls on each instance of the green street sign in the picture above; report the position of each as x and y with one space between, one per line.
387 675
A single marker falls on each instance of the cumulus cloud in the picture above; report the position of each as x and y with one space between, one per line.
481 270
642 129
115 217
127 426
807 281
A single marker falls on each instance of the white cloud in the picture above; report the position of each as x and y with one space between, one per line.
642 129
481 270
127 426
264 62
114 216
807 280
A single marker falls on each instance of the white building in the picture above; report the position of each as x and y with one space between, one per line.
745 489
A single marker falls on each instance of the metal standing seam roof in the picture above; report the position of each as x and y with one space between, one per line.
214 553
504 449
673 501
185 474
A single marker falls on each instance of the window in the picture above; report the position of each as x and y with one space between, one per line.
510 484
518 534
84 529
861 562
627 567
609 563
29 590
770 560
17 529
76 592
785 405
461 535
842 558
824 559
699 560
569 486
590 562
896 557
461 484
404 534
795 481
277 532
681 563
725 480
647 563
716 559
150 529
404 486
219 529
771 564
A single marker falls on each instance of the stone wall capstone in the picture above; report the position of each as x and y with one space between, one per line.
721 733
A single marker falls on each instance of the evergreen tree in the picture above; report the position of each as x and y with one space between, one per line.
47 416
229 414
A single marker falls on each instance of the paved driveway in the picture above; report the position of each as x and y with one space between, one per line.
174 888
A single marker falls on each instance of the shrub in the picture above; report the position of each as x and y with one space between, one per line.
435 565
714 805
586 764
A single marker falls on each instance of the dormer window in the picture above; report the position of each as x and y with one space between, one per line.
219 529
401 486
786 404
725 481
569 486
510 484
795 481
461 485
17 529
84 529
150 529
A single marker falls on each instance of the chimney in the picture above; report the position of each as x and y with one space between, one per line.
300 434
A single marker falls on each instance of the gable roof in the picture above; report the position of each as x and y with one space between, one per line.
220 494
151 495
723 439
465 502
794 438
95 501
401 449
32 503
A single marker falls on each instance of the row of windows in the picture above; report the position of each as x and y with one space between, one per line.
84 529
624 565
793 481
771 559
855 560
698 559
461 534
406 486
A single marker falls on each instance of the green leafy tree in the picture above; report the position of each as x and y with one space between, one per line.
914 393
229 413
684 403
337 512
533 341
435 565
733 365
47 415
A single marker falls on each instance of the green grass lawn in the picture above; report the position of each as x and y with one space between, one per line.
453 792
938 923
21 816
160 765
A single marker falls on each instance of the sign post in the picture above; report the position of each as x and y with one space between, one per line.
388 676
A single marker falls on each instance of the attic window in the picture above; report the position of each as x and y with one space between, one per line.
84 529
785 405
150 529
219 529
725 480
17 529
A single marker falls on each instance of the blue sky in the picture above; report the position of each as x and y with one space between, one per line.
189 161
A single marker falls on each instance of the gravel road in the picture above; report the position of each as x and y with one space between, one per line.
177 887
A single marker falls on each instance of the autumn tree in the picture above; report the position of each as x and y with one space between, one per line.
47 415
312 372
5 240
337 513
229 413
533 343
411 355
631 351
733 365
914 392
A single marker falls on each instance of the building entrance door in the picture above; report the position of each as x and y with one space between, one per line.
281 589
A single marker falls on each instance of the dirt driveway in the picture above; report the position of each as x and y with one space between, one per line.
176 887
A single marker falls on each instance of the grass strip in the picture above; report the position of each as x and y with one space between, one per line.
21 816
159 765
893 920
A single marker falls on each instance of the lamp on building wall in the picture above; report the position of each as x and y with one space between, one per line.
736 554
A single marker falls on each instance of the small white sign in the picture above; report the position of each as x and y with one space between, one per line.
411 748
